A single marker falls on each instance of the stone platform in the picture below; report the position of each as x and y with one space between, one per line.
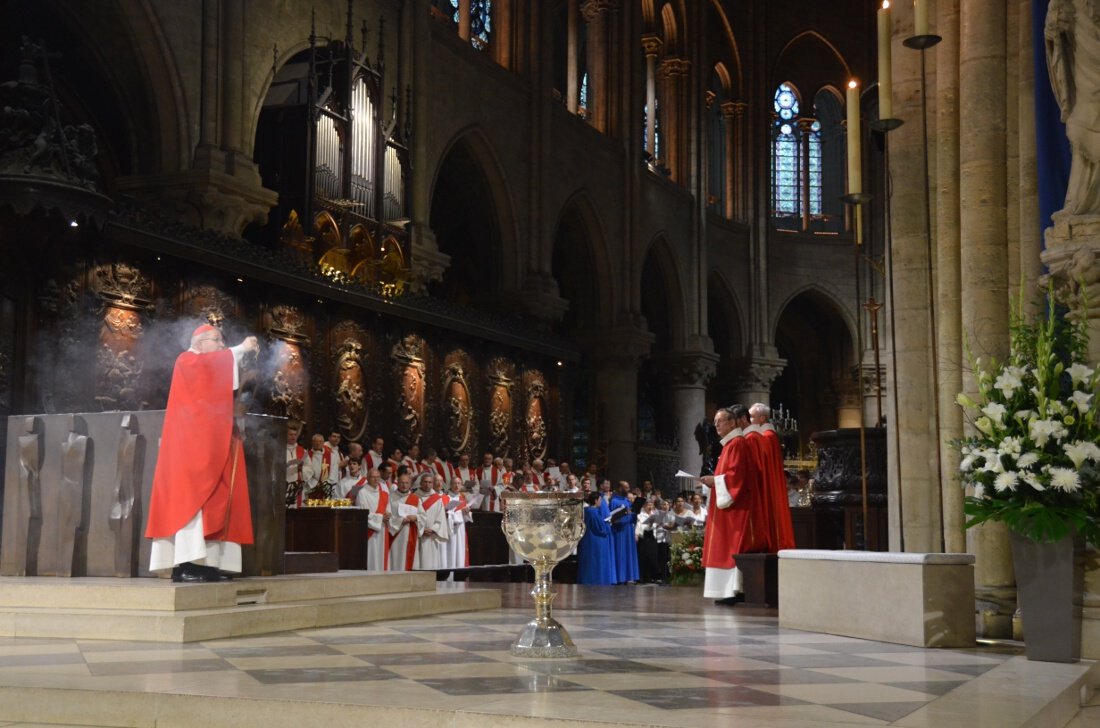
157 610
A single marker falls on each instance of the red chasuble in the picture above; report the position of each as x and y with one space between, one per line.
201 462
781 531
729 530
761 505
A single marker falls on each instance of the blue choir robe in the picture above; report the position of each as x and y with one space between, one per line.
595 555
622 536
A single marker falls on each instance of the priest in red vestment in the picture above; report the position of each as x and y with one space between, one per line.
730 526
776 509
199 512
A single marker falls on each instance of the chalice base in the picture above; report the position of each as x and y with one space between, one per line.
544 638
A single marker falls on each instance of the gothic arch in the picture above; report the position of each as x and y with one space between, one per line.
817 60
662 295
579 231
726 329
735 52
469 153
671 31
823 292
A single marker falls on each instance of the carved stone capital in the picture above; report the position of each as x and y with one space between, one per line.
693 369
651 44
759 374
591 10
621 347
671 67
733 109
1072 257
540 299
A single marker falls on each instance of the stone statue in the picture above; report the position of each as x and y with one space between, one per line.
1073 58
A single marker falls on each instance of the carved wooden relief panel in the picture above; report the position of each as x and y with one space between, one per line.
350 385
535 412
126 294
501 382
458 410
409 370
289 374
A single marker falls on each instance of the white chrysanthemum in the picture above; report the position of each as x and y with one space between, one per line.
1041 431
1079 373
1010 446
1082 400
1065 480
1027 460
995 411
1008 382
1033 481
1006 481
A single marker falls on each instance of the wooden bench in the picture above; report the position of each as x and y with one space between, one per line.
925 600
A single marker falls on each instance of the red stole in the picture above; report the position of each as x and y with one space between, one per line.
413 540
201 463
353 494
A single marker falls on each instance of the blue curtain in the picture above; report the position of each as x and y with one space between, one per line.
1052 145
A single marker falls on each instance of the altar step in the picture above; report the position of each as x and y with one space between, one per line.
157 610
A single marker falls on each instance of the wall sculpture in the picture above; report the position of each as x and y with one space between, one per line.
457 406
501 381
409 370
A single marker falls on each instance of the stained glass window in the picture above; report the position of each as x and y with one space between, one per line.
813 141
584 95
786 172
796 163
480 21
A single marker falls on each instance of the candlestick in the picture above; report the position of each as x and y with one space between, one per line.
885 101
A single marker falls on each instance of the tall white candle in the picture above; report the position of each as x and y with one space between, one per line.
920 17
855 162
885 103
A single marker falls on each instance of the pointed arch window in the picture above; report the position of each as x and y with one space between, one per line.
807 160
474 19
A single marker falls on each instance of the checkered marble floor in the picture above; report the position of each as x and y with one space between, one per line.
674 665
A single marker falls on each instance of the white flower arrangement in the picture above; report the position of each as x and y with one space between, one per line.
1034 461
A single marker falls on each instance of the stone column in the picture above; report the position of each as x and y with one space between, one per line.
689 373
949 285
620 353
595 14
983 261
464 19
652 46
755 383
1028 172
572 60
913 495
733 113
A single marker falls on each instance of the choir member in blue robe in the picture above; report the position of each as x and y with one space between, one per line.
595 555
622 536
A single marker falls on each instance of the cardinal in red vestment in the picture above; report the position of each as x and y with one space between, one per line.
774 510
730 525
199 512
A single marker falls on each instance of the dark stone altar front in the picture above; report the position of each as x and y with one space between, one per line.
837 499
76 489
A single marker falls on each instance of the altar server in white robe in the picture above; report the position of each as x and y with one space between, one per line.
433 522
376 499
493 478
403 526
458 551
350 486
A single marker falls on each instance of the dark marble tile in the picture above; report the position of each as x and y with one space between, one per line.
882 711
705 698
274 651
833 660
932 687
48 658
362 639
424 658
577 667
521 684
778 676
155 667
320 675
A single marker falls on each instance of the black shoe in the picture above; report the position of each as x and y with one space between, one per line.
213 574
730 601
189 574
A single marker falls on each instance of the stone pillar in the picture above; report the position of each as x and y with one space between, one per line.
464 19
572 60
669 71
689 373
983 260
755 383
733 113
652 46
949 284
913 495
1031 266
595 14
620 351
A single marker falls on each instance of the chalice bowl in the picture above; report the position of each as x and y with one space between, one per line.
543 528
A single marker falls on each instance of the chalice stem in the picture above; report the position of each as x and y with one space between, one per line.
544 598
